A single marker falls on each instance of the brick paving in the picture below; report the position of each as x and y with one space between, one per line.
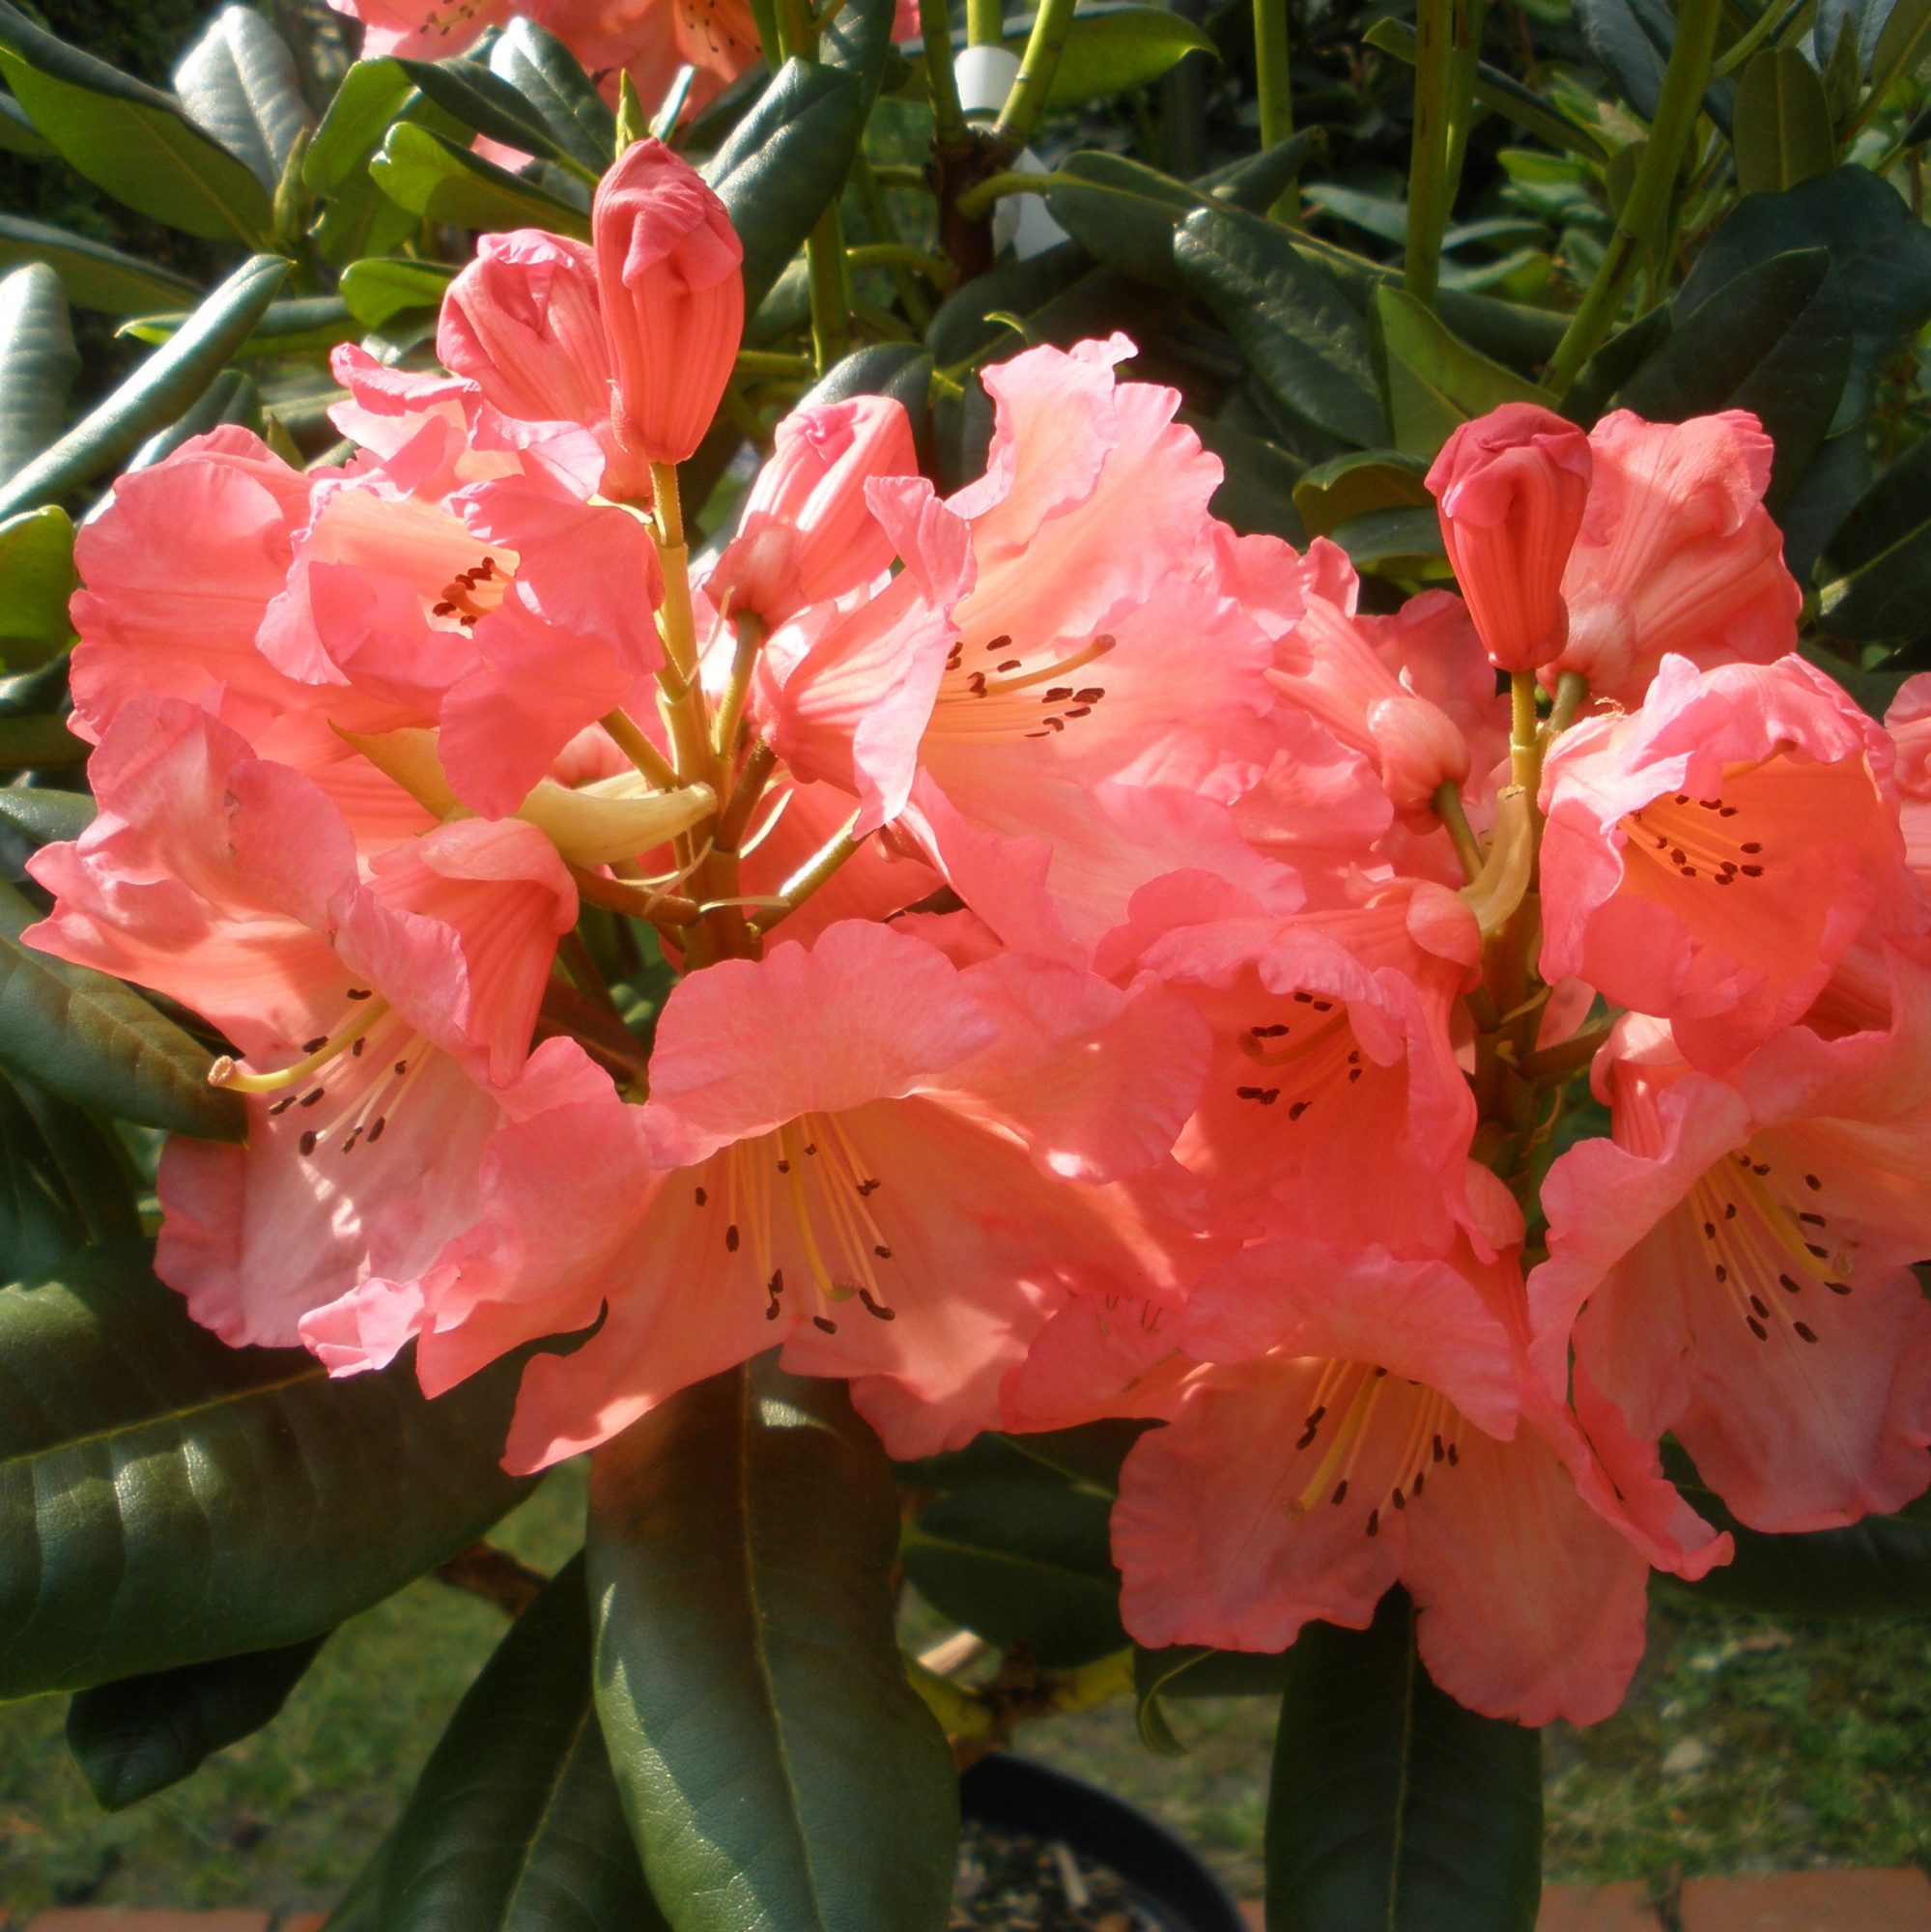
1816 1901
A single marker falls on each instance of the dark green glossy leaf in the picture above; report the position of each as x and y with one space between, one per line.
859 41
1257 493
166 1499
238 81
230 398
35 743
1632 39
155 394
901 370
1874 577
38 365
139 1736
1395 543
778 1773
1775 341
1589 397
546 74
1303 339
515 1824
93 275
1122 214
784 164
308 323
41 1219
44 816
1878 1568
1435 381
1257 181
130 138
1390 1807
1880 259
382 288
476 97
1021 1561
17 133
98 1043
35 580
1114 50
369 99
430 176
87 1163
1782 129
1357 486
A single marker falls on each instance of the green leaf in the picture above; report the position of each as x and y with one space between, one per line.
297 327
38 365
41 1220
1874 575
1502 92
476 97
370 97
98 1043
1114 50
1878 1568
515 1824
238 81
1122 214
166 1499
1394 543
130 138
1256 495
35 743
784 164
230 398
1901 45
381 288
17 135
430 176
93 275
44 816
1437 381
35 580
546 74
1191 1670
1775 341
1782 124
1359 485
858 41
1021 1561
133 1737
1390 1806
1294 326
778 1773
155 394
1256 182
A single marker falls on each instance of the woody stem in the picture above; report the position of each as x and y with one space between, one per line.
803 883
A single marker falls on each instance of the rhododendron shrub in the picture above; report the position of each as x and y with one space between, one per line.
1225 967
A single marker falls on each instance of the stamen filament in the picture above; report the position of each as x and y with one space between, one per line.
227 1072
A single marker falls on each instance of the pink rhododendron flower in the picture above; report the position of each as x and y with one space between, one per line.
384 1018
1511 487
1340 1420
1333 1098
1677 555
895 1167
669 273
1012 701
1742 1245
808 532
1711 857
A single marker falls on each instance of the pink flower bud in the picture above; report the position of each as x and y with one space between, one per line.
668 267
1511 487
1419 749
808 532
521 322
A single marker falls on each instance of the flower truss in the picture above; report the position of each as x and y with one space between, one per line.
1119 976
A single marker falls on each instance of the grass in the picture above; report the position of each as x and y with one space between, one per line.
1746 1743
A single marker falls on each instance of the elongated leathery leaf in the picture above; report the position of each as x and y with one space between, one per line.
778 1773
130 138
1391 1807
139 1736
515 1824
155 394
93 275
546 75
165 1500
98 1042
238 81
38 363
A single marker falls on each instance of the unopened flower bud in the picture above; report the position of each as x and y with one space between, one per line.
522 322
670 271
808 532
1511 488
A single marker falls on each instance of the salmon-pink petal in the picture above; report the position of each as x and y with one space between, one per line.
1099 1355
864 1014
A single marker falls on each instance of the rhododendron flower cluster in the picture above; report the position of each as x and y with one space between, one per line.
1414 1060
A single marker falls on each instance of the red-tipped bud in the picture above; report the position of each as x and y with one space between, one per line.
1511 487
670 271
523 323
808 532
